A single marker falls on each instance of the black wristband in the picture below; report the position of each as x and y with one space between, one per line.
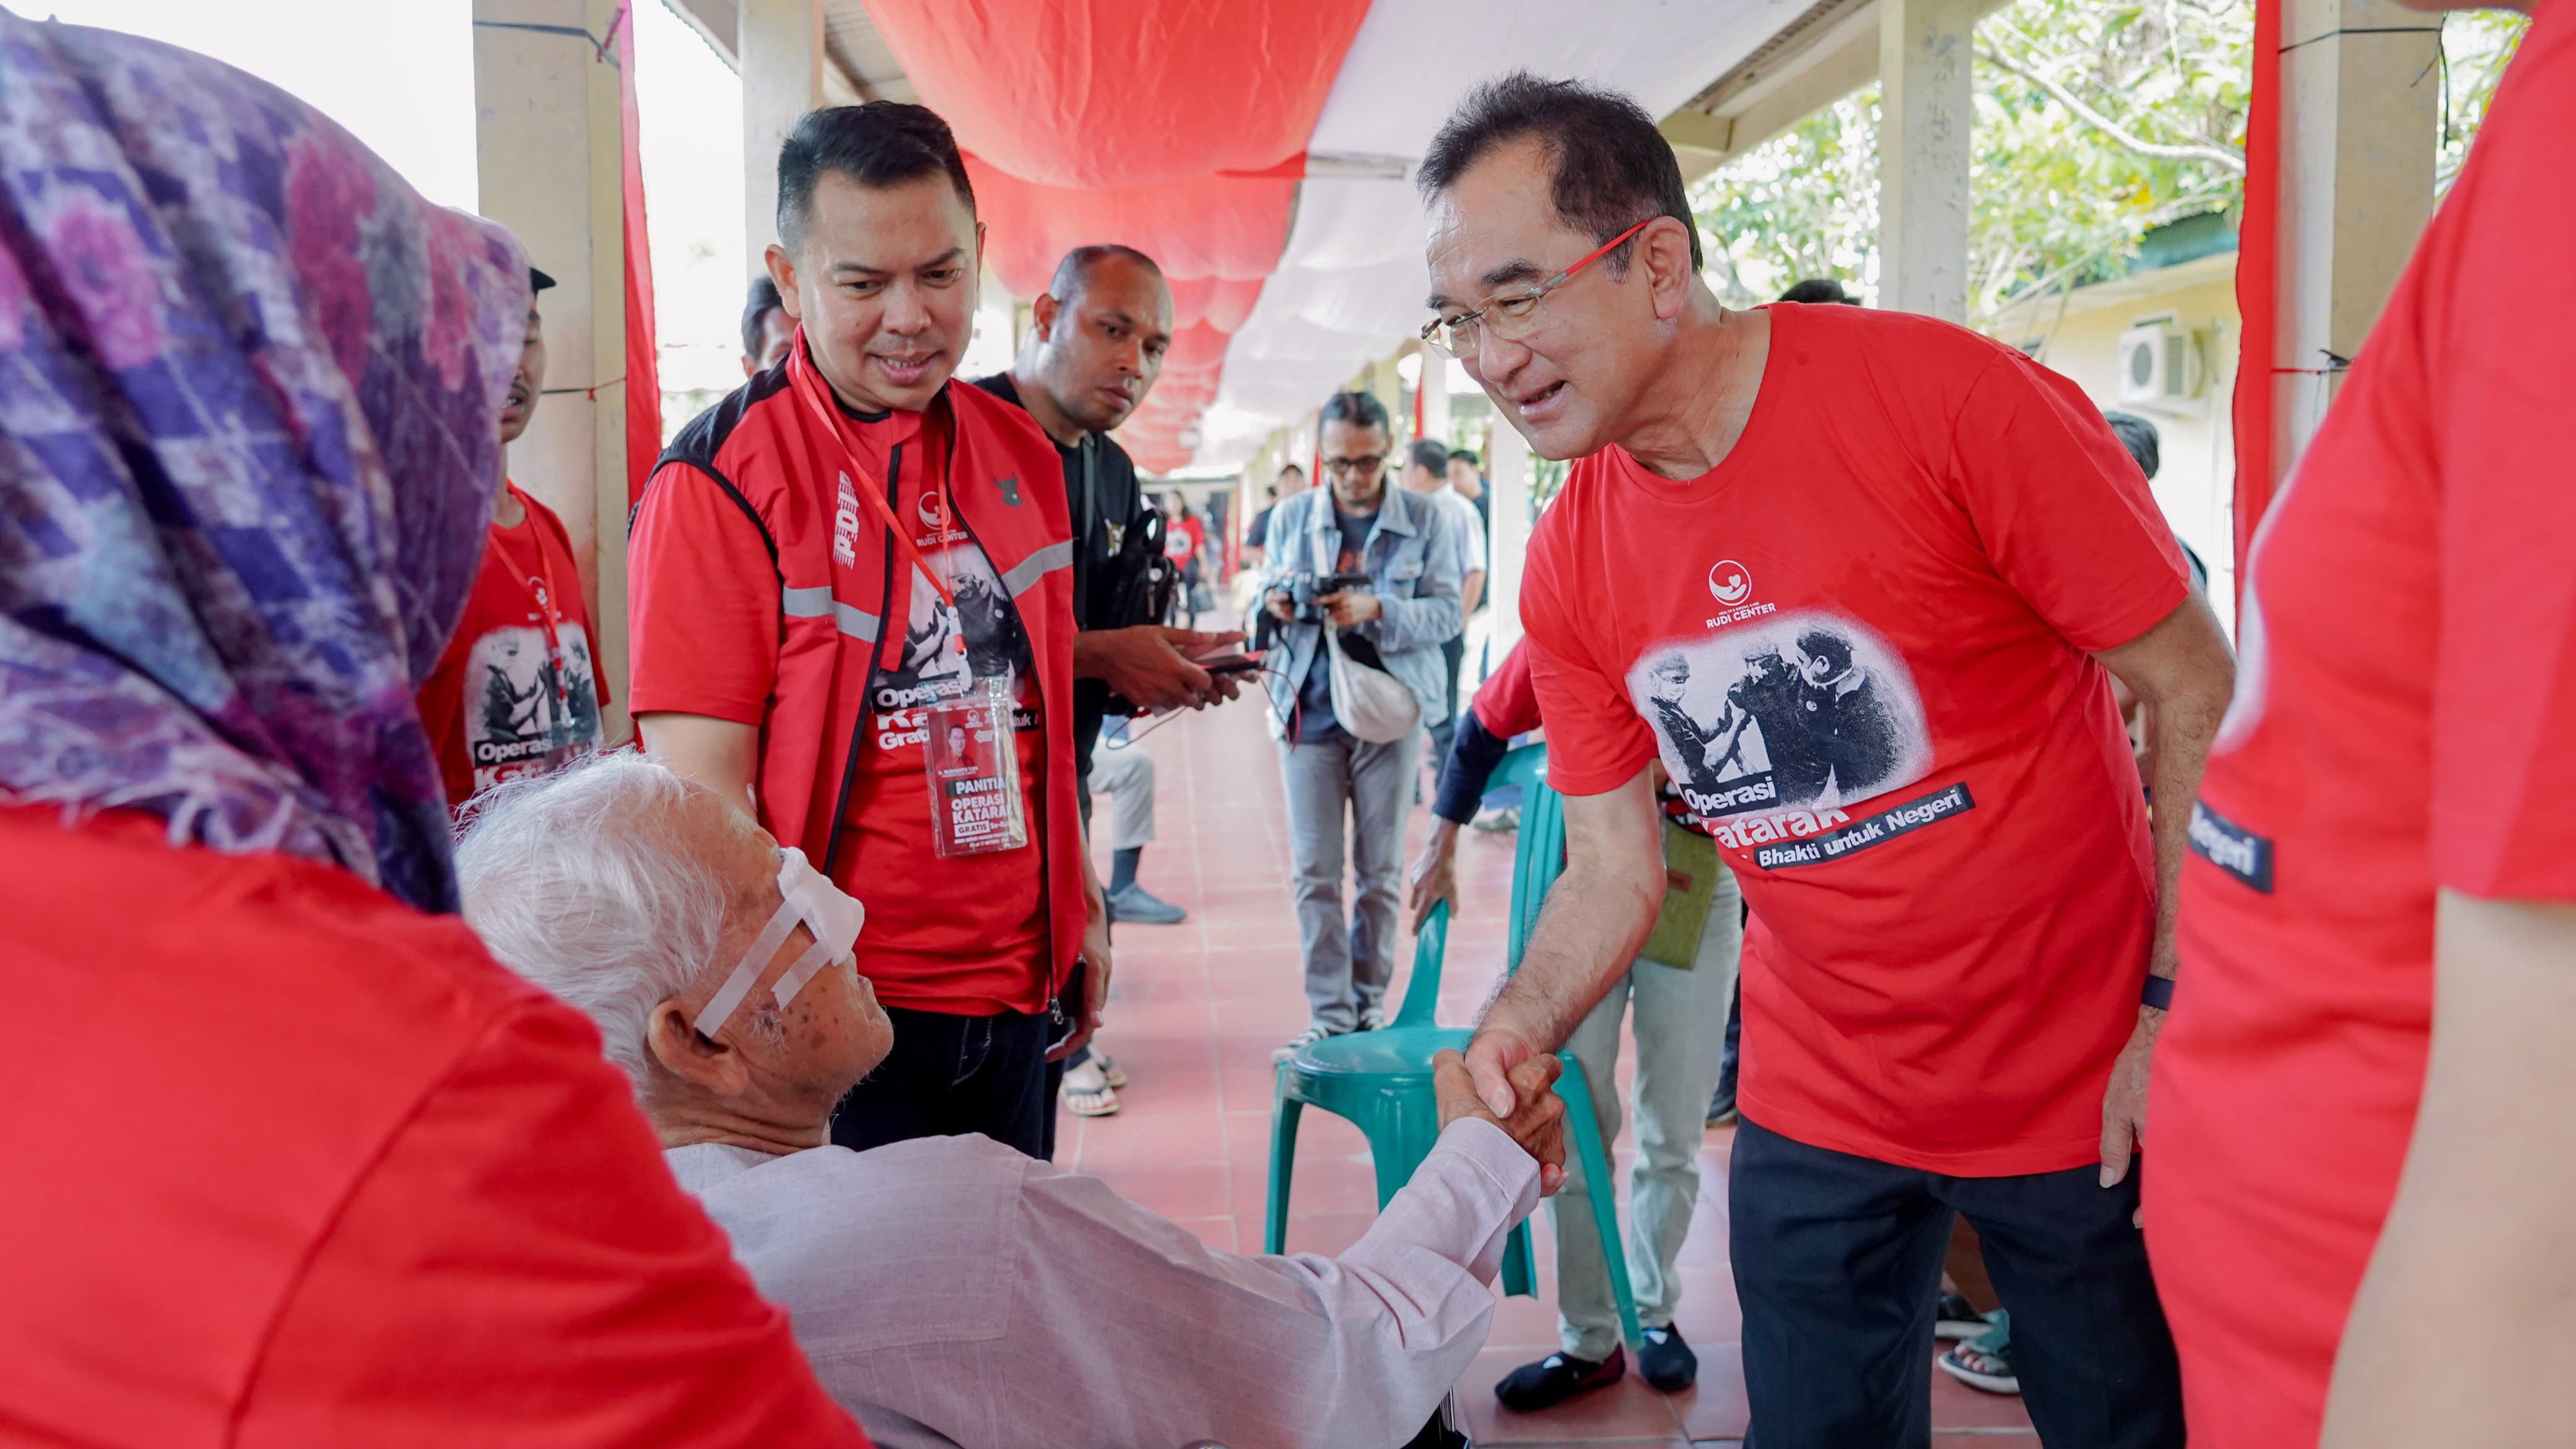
2158 993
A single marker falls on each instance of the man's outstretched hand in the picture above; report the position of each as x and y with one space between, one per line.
1151 664
1493 1056
1539 1125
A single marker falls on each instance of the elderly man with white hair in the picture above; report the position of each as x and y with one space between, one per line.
949 1290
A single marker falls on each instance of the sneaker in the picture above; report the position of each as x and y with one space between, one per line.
1954 1319
1373 1016
1497 822
1557 1378
1301 1041
1666 1362
1985 1362
1130 905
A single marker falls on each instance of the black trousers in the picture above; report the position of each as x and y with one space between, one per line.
951 1075
1838 1263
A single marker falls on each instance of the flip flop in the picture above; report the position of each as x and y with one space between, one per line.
1110 1072
1087 1094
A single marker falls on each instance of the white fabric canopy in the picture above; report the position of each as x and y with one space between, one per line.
1350 284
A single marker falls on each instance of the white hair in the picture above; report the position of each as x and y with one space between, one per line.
583 882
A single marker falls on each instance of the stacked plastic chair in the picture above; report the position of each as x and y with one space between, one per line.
1381 1080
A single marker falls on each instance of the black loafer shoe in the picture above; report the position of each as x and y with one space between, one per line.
1557 1378
1666 1362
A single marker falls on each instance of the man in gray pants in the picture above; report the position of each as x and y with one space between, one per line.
1397 620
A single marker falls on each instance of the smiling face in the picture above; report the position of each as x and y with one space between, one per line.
1100 349
884 283
1568 386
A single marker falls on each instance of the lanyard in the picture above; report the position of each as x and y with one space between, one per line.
809 386
543 596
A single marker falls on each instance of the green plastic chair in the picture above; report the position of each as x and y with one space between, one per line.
1381 1080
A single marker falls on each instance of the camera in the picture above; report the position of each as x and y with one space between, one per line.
1303 589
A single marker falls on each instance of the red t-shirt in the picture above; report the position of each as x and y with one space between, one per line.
2405 721
291 1163
1860 644
1506 704
967 934
518 691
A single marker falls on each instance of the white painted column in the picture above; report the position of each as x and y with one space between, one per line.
778 50
1435 396
1924 115
1507 480
2360 92
548 142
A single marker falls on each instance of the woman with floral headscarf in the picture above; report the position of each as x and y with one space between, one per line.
289 1158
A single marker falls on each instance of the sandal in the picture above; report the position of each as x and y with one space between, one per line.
1087 1092
1110 1072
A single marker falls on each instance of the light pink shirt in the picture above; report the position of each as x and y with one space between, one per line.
950 1291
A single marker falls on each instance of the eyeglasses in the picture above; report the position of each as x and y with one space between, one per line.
1364 466
1514 317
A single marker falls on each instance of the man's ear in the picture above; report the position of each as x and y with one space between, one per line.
782 270
1044 310
1663 248
701 1062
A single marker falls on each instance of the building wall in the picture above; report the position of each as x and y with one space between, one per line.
2080 339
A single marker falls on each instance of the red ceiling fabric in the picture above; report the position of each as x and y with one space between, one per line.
1213 227
2258 262
1177 127
643 373
1093 93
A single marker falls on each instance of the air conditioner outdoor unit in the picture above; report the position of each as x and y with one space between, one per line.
2159 363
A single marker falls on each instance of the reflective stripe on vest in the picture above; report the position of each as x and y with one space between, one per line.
817 601
1037 566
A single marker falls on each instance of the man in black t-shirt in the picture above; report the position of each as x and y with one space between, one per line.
1097 344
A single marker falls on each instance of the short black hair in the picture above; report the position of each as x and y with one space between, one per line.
1426 453
756 308
883 143
1818 289
1074 271
2139 436
1359 409
1613 168
1466 456
1832 648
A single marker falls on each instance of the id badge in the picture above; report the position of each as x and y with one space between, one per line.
974 771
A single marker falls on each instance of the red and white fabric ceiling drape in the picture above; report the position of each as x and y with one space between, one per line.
1261 152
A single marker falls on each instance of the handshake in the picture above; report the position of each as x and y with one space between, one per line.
1538 1124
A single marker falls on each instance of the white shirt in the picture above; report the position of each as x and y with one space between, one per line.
950 1291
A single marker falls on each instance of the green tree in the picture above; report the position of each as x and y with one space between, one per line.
2094 123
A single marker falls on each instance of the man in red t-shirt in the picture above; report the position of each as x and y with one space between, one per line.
843 568
1861 580
518 691
2370 1066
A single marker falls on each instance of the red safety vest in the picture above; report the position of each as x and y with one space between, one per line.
1007 487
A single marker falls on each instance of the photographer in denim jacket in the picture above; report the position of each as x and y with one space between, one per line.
1377 563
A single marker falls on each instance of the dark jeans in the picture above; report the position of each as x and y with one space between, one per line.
1838 1261
950 1075
1454 655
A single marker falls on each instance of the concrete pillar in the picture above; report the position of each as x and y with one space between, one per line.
1924 116
1507 479
2360 102
778 50
1435 396
548 143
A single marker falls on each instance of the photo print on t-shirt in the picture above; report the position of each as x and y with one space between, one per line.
530 711
945 650
1803 711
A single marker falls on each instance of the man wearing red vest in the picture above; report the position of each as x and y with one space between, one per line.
848 559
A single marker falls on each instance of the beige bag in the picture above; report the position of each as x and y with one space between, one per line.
1370 703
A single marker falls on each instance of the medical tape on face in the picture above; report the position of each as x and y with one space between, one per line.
822 907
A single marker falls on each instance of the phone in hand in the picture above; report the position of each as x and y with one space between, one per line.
1237 663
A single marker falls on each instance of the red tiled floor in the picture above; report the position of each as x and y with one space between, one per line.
1195 1013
